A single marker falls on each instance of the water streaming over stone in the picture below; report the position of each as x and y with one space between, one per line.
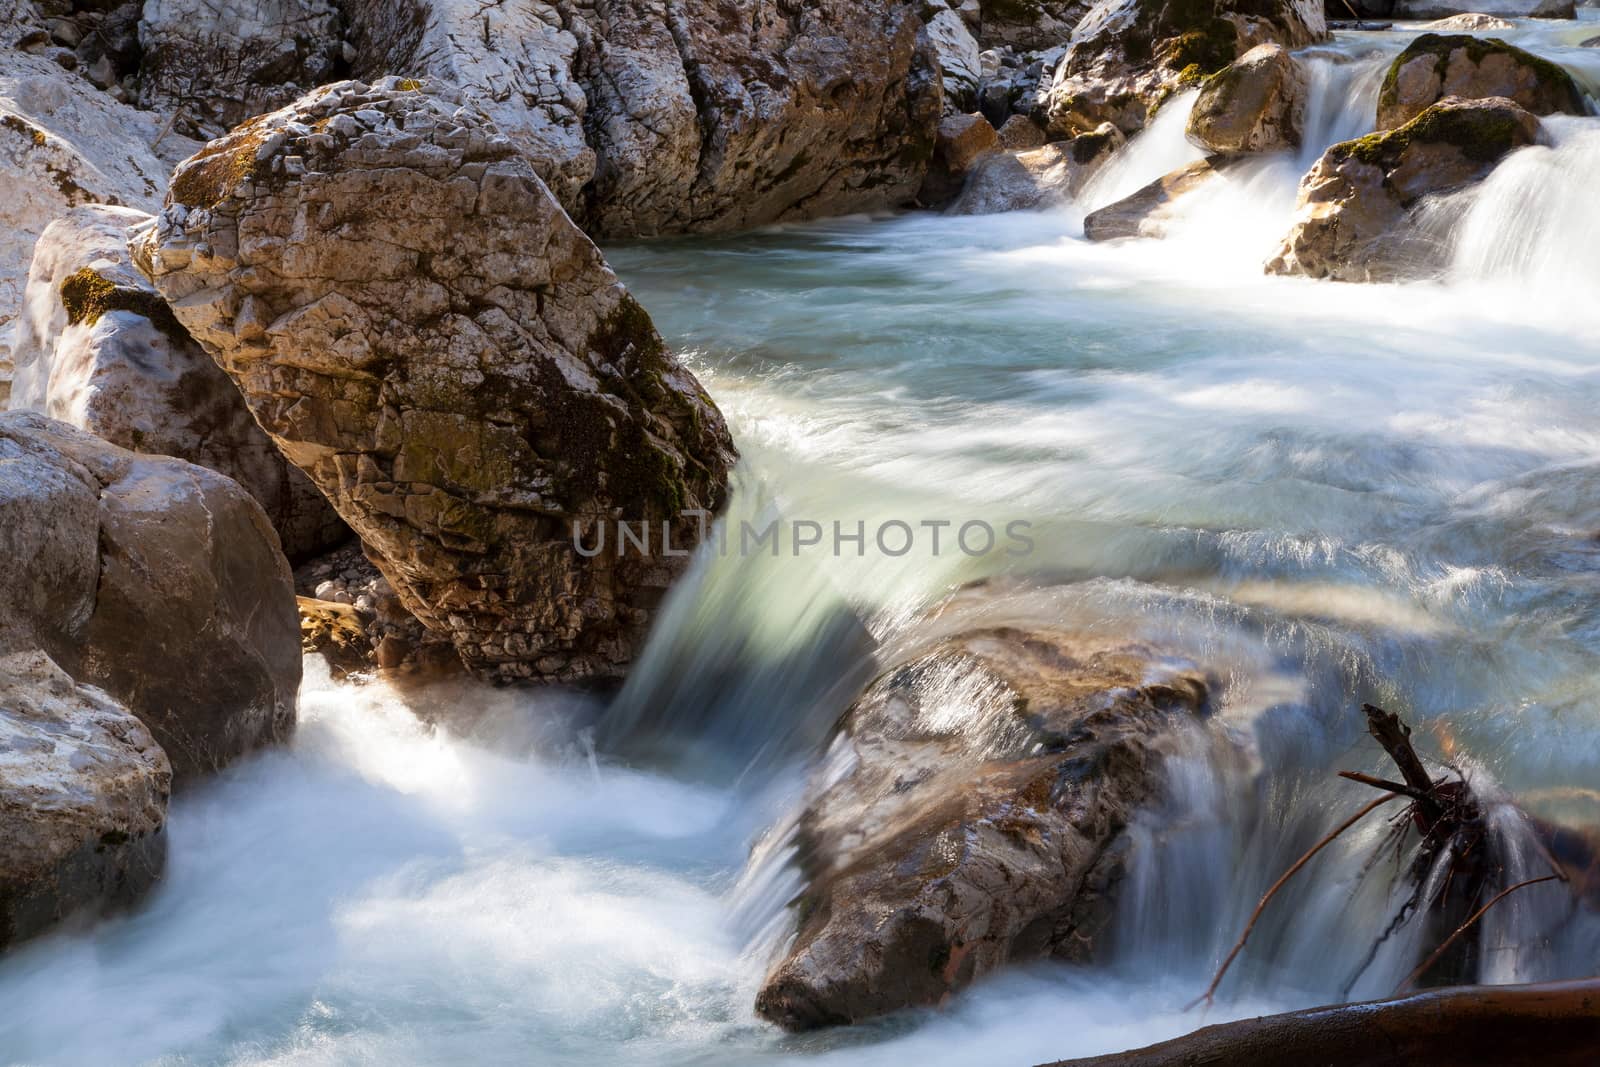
1326 493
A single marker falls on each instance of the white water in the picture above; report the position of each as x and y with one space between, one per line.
1341 493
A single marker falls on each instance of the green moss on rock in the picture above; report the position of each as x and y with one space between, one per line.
87 295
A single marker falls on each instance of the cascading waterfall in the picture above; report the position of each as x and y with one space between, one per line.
1328 494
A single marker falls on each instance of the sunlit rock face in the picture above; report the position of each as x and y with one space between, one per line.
662 116
1353 221
971 815
83 798
153 579
97 347
423 331
219 62
1129 56
1436 66
1255 104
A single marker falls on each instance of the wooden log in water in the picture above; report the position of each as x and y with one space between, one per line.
1553 1024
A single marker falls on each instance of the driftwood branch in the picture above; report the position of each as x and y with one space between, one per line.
1555 1024
1395 737
1266 898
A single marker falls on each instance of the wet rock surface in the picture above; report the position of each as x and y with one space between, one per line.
83 798
1255 104
1436 66
451 361
971 814
1353 217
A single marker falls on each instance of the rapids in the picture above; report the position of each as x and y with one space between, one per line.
1334 492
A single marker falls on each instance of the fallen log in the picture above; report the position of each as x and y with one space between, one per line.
1554 1024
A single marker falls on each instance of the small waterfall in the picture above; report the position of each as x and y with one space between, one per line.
1341 99
1158 149
1534 223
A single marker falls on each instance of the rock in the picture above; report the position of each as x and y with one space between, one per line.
1509 9
351 616
519 62
452 362
1255 104
1469 22
1147 212
956 51
1351 219
1021 133
62 143
1593 42
1128 56
83 798
1038 178
662 116
963 141
223 61
337 633
98 348
1029 24
1435 66
972 815
1013 83
153 579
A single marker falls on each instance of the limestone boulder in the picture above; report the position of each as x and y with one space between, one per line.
1148 212
660 116
421 329
153 579
1128 56
222 61
971 815
1036 178
956 51
83 798
1469 23
97 347
1435 66
1352 221
1257 103
64 143
964 140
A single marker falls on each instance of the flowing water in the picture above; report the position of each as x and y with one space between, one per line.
1327 493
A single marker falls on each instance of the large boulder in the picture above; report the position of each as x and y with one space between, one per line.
1468 23
1255 104
1435 66
222 61
1129 56
424 331
97 347
956 52
83 798
1510 9
964 141
1035 178
659 117
153 579
1149 211
1354 209
65 143
972 815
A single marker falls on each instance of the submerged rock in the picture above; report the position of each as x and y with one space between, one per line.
83 798
222 61
1469 22
1147 212
649 117
1255 104
97 347
1510 9
1037 178
452 362
1351 223
975 816
1434 67
156 580
1129 56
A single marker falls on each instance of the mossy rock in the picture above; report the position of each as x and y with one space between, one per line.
87 295
1534 83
